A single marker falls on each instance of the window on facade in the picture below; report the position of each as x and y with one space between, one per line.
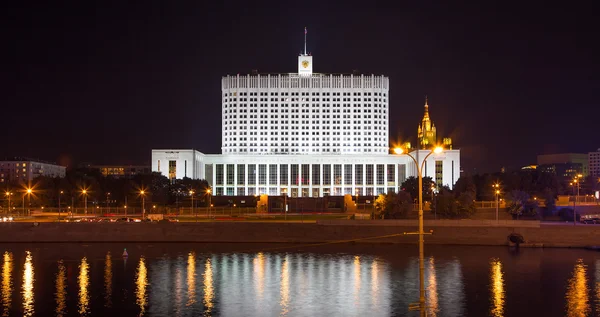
326 174
241 173
401 173
337 174
172 170
208 171
252 174
272 174
369 174
439 180
358 174
283 174
230 174
295 174
380 174
316 174
347 174
159 165
391 172
220 174
262 174
305 174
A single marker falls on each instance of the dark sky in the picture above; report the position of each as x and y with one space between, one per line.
106 83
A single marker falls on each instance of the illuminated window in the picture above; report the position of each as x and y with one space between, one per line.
438 173
316 174
295 174
172 170
219 174
337 175
251 175
305 175
283 174
358 174
230 174
241 173
262 176
347 174
272 175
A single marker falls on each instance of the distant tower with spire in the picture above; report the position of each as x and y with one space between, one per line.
427 133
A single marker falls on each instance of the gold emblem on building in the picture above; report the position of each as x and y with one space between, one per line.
304 64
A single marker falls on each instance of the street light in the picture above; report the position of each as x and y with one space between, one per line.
8 194
575 183
84 192
143 193
436 150
107 202
28 192
208 191
59 194
497 192
435 210
192 194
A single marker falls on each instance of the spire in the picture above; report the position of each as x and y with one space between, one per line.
304 41
426 115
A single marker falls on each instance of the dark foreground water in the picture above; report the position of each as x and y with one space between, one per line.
277 280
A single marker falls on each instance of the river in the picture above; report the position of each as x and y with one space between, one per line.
294 280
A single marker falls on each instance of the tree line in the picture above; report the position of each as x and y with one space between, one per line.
104 190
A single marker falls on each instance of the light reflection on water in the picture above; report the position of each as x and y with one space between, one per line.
577 291
108 276
28 279
84 283
432 292
61 289
497 288
192 283
141 284
7 267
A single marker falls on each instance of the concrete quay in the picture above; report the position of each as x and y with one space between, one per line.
445 232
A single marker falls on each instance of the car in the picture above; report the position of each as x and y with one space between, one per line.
128 220
6 219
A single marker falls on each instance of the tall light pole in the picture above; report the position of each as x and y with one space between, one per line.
208 191
497 192
8 194
436 150
143 193
435 211
84 192
192 195
59 194
107 201
575 183
29 191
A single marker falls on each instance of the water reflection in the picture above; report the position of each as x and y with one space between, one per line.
108 280
208 288
191 278
84 283
28 279
61 289
259 270
597 288
577 292
497 288
7 267
284 289
432 292
141 284
357 282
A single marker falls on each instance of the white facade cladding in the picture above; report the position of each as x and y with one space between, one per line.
305 114
306 175
305 134
178 164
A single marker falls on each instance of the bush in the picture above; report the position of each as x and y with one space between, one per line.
566 214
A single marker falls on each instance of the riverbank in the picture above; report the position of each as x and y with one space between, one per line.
445 232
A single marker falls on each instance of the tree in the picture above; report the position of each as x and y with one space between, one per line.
446 205
393 205
549 201
520 204
465 184
411 186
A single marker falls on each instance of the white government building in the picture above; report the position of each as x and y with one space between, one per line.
307 134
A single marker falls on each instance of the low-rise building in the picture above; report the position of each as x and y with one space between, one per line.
20 169
566 166
118 171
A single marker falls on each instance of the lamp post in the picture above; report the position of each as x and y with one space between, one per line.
195 215
497 192
84 192
59 194
575 183
419 167
143 193
435 210
208 191
28 191
8 194
107 201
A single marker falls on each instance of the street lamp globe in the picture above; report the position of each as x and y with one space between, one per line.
398 150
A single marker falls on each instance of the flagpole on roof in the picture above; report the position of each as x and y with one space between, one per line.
304 41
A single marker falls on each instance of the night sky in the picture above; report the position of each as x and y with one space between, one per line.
106 83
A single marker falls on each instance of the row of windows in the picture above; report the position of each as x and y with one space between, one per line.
305 94
302 191
307 174
304 150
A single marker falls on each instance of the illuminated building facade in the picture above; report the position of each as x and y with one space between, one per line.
119 171
306 134
24 170
566 166
594 163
